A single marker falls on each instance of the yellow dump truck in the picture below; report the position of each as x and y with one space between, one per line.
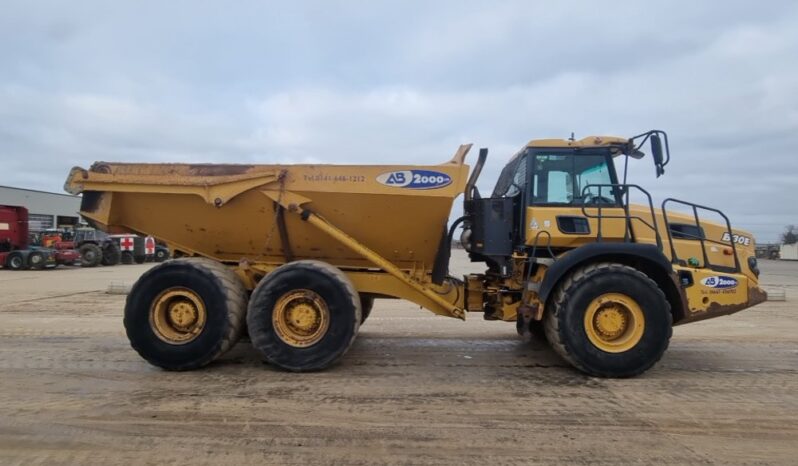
296 255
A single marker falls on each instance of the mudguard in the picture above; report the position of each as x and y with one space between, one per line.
627 253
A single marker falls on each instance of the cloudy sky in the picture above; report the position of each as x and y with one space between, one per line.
406 82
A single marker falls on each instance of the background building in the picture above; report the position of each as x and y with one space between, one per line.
46 210
789 251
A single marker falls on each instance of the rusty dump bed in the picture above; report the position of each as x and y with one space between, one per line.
230 212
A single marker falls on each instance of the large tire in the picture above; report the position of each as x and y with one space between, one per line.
366 305
320 293
90 255
111 254
16 261
618 293
36 260
140 259
127 257
216 288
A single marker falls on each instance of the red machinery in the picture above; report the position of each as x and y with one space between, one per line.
17 253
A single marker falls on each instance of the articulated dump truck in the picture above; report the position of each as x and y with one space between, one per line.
295 255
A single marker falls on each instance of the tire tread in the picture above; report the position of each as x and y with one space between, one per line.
332 273
560 301
235 297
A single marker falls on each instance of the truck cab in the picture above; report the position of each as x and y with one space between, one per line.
16 252
543 199
560 209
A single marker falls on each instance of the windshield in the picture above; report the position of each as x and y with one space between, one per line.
512 178
563 179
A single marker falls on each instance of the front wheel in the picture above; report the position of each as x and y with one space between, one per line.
609 320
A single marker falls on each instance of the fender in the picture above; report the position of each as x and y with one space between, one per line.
625 253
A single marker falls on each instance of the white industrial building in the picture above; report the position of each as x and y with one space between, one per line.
789 252
45 210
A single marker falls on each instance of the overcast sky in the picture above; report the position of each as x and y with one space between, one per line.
371 82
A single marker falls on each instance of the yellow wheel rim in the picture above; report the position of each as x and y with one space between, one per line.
177 315
301 318
614 322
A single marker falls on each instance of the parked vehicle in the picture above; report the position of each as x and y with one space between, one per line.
96 247
768 251
140 249
17 252
155 252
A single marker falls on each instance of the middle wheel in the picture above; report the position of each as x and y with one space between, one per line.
304 315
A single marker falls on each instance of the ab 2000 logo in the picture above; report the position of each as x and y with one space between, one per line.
719 281
415 179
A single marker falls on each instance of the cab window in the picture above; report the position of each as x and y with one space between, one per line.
512 178
566 179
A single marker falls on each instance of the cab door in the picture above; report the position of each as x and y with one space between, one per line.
564 203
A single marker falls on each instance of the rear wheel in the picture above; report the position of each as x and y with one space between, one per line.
304 316
36 260
183 314
90 255
15 261
609 320
161 255
111 254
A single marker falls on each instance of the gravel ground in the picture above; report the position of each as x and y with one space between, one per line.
414 389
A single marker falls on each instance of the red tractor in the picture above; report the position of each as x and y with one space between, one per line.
16 250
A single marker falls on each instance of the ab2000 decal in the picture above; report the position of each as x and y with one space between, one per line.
415 179
719 281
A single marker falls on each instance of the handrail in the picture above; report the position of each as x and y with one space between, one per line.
702 238
628 233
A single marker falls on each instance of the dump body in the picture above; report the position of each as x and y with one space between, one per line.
258 215
224 212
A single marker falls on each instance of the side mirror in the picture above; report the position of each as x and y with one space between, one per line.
656 152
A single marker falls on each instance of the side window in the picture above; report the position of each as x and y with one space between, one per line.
686 231
512 178
571 178
560 190
593 170
519 179
553 179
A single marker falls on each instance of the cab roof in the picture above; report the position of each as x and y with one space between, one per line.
589 141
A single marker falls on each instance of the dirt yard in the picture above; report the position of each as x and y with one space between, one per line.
414 389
